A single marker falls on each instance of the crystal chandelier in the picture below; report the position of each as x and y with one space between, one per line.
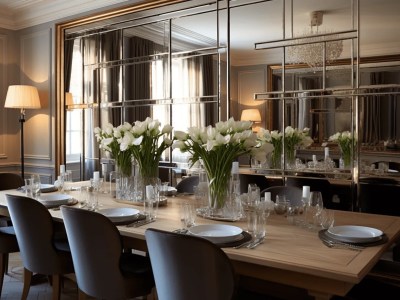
310 46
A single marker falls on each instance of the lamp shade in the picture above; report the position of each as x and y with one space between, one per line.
22 96
252 114
69 99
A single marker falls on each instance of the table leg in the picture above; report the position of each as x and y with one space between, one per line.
319 295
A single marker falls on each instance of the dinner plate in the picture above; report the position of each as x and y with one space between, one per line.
119 214
356 234
54 199
171 191
217 233
47 188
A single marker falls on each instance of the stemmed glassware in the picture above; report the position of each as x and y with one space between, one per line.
314 208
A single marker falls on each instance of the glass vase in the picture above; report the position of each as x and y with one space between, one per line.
346 156
290 157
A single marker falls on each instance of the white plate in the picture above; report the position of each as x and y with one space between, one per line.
54 199
217 233
348 233
47 187
119 214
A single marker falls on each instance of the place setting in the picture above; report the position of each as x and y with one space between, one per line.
352 236
53 201
123 215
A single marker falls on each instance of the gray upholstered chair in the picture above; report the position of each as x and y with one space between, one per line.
291 193
8 240
42 250
187 184
8 244
189 267
102 269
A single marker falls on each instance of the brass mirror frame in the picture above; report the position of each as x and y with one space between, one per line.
60 119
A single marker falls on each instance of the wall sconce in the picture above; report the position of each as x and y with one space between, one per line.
23 97
253 115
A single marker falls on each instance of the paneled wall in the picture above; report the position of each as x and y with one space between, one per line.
26 57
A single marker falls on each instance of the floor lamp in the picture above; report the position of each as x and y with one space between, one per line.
23 97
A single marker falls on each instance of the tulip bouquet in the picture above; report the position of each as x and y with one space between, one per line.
217 147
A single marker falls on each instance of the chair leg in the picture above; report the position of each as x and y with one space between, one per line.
81 295
3 262
56 282
27 283
6 263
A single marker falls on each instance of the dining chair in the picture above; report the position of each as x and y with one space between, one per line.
318 182
189 267
291 193
245 179
102 269
43 250
8 240
8 244
187 184
378 195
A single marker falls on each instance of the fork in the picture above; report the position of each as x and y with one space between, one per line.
245 244
342 245
256 243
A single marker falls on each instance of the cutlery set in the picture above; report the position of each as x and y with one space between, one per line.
141 223
251 244
332 244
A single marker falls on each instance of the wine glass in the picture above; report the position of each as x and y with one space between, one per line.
314 208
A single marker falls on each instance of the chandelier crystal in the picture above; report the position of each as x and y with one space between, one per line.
310 46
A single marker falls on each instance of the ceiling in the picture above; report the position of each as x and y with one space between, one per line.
379 20
19 14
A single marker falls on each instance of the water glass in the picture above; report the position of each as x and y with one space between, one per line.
253 194
28 187
36 185
313 209
326 219
92 198
256 219
281 204
188 214
152 197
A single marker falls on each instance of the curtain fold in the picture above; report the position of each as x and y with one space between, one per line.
138 79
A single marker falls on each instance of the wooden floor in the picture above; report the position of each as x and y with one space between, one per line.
40 290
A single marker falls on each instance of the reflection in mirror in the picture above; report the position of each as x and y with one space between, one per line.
163 69
333 113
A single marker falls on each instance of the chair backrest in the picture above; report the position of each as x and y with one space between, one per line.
291 193
261 181
186 184
10 181
96 249
379 196
189 267
321 184
34 228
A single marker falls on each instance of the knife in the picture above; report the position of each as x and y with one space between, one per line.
141 223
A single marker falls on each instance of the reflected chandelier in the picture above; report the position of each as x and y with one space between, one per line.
310 48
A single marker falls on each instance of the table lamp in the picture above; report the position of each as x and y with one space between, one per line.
23 97
251 114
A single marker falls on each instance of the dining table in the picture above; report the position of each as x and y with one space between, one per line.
290 255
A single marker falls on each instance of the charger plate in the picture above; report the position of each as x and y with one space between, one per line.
322 234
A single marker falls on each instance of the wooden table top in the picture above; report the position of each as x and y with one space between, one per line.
290 254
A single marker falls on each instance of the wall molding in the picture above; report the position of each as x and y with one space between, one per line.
3 87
